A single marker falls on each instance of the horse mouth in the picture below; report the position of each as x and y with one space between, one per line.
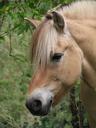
42 112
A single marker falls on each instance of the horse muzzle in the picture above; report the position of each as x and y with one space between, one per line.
39 103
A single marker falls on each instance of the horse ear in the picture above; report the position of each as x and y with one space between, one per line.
58 21
33 22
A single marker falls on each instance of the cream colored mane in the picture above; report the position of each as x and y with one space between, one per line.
46 36
80 10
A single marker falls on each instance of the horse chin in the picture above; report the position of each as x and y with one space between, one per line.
41 113
44 112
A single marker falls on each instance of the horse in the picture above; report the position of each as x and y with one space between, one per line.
63 51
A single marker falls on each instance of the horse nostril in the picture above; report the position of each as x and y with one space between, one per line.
36 104
51 101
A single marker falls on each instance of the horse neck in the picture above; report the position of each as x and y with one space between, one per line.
85 36
84 33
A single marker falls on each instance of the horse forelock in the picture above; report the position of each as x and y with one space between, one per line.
43 43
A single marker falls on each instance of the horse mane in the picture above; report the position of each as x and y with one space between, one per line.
80 10
45 36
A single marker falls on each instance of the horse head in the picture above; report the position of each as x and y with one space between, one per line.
57 61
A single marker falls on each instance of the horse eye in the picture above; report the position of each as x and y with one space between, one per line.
56 57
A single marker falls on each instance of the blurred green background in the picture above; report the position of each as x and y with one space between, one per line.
16 69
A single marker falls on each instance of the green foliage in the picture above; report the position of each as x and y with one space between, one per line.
15 67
